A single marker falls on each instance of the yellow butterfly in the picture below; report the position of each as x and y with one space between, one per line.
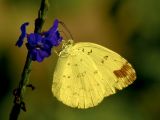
86 73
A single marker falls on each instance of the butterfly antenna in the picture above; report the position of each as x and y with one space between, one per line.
62 23
64 33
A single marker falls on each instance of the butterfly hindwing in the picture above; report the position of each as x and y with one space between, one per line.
77 81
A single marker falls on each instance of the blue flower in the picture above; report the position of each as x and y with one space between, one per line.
19 43
40 45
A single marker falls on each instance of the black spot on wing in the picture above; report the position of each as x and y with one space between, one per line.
105 57
102 61
81 60
88 53
64 76
68 64
75 65
80 75
95 72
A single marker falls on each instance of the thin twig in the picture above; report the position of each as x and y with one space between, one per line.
19 92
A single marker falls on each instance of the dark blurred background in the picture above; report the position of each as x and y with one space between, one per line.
129 27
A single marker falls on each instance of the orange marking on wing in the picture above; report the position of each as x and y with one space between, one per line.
125 71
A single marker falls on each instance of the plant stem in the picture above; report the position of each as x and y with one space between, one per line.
41 16
19 92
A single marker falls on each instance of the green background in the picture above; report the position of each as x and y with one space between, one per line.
129 27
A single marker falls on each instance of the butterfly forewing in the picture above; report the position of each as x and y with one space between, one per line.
116 72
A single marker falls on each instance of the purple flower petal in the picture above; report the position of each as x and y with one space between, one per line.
44 53
39 57
33 54
19 43
53 35
34 38
54 27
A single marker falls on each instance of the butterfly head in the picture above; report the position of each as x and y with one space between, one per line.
67 44
66 47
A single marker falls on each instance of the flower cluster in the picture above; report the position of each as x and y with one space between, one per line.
40 45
